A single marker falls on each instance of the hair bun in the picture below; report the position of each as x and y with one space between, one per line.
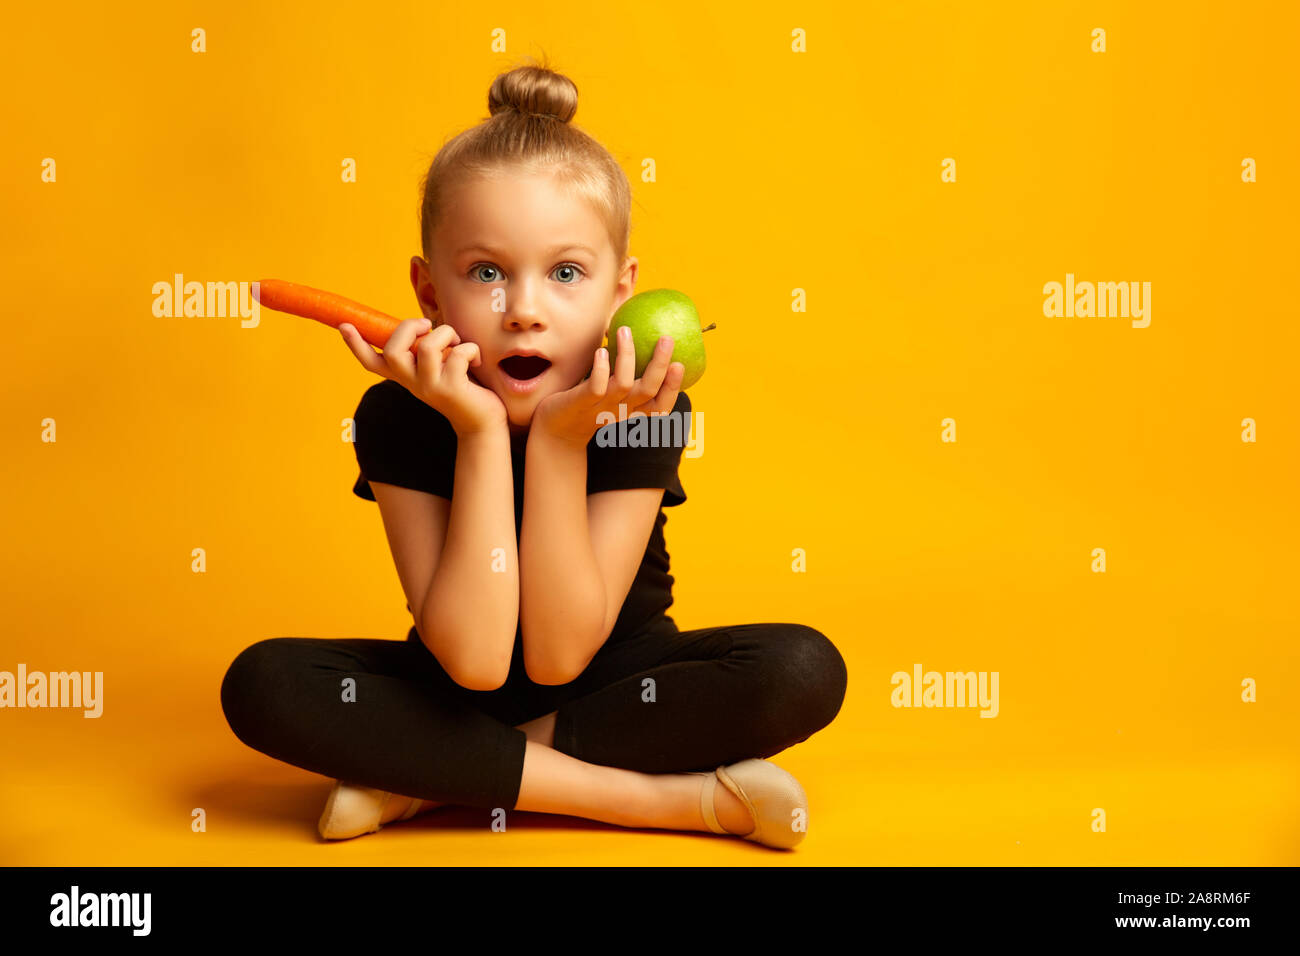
534 91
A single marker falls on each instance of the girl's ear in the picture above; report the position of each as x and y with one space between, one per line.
425 294
624 287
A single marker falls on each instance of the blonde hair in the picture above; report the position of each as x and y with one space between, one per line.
528 130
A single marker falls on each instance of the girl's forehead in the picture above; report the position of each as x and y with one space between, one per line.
503 221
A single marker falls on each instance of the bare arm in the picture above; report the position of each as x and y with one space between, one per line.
574 572
471 611
578 555
463 591
457 561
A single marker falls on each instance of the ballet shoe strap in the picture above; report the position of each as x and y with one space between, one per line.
707 788
412 808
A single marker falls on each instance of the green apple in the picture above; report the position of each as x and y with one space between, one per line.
661 312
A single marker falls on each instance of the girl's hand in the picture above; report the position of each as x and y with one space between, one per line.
572 415
438 373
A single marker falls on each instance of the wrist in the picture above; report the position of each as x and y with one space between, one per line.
540 435
482 431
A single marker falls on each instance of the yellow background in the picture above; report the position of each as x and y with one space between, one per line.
776 170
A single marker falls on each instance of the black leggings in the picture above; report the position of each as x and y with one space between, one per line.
384 713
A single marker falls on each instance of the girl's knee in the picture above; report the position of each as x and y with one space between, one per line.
810 677
249 684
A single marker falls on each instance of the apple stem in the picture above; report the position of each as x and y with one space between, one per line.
711 325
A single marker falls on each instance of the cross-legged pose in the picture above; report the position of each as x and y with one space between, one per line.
525 519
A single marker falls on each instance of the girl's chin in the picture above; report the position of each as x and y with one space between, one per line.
520 408
520 419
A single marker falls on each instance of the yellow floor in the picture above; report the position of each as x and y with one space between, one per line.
911 454
120 790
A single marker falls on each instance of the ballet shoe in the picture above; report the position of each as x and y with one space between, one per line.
352 810
770 794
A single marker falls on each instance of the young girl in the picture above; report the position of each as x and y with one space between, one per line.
542 671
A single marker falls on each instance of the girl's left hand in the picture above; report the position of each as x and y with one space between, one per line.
572 415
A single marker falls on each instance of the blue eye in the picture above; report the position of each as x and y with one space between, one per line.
474 271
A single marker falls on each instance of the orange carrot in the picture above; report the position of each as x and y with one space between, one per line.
375 326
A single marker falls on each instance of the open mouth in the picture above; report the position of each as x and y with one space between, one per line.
524 367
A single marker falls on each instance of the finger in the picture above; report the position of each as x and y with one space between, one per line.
457 365
653 376
365 353
432 350
598 381
624 366
666 398
397 350
434 347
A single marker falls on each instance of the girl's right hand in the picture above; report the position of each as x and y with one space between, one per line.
437 374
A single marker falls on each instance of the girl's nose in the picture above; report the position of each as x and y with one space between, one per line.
521 311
